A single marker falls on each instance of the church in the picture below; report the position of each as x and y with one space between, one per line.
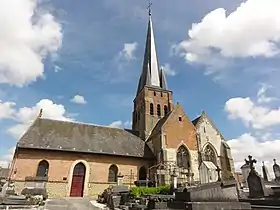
78 159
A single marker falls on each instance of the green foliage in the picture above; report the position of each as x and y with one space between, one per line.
138 191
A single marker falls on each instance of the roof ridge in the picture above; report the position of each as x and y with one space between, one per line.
81 123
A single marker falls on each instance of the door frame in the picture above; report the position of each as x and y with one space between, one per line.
86 179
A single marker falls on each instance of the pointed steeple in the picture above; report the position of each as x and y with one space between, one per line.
152 75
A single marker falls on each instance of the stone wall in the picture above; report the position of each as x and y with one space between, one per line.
208 134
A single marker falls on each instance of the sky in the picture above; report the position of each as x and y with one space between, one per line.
82 60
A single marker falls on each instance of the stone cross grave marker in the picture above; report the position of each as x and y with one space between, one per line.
251 162
255 181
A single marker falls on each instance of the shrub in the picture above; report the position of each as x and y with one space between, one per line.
138 191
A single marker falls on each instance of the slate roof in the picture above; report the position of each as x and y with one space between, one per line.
77 137
159 124
152 75
195 121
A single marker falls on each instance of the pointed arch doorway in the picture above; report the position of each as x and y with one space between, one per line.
78 180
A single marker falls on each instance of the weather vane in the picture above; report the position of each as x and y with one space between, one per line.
149 7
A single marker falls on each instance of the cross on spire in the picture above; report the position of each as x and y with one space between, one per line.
251 162
149 7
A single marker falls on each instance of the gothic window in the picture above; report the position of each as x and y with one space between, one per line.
43 169
165 110
210 154
158 110
113 173
183 158
151 109
142 173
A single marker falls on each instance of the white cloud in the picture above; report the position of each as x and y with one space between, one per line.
121 124
128 51
253 114
78 99
6 158
26 115
27 36
262 97
247 144
6 109
253 29
57 68
168 70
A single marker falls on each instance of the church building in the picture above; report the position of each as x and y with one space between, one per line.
79 159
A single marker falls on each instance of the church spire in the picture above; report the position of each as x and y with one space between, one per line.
152 75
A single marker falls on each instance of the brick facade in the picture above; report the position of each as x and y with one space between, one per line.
61 166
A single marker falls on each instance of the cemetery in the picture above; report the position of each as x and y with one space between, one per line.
222 194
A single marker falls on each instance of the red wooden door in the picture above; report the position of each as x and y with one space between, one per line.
78 179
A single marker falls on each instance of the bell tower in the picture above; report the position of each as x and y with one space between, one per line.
153 100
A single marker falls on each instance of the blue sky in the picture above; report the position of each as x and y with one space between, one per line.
95 49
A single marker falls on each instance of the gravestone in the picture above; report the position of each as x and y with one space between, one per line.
210 196
265 172
255 181
219 173
120 179
35 186
9 197
276 170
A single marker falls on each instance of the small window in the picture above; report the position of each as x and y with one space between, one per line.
151 109
180 119
204 129
155 93
113 173
165 110
161 94
43 168
158 110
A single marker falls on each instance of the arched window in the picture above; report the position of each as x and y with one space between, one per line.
210 154
183 157
113 173
43 169
151 109
165 110
142 173
158 110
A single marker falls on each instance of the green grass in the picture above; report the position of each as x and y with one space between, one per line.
138 191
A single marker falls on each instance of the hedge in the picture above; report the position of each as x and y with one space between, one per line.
138 191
